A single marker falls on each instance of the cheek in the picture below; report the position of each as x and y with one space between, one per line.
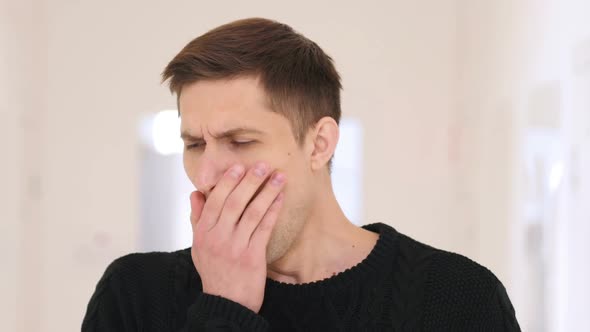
296 185
189 167
285 160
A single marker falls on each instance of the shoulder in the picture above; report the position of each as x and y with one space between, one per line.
130 286
447 272
144 264
147 272
458 291
458 281
447 269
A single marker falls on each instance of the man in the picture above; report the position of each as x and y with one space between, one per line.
272 250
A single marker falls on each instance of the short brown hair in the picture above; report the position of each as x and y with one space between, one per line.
299 78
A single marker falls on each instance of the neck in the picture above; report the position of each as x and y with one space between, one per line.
327 245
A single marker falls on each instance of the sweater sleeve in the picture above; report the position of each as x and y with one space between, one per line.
103 312
215 313
497 314
462 295
135 294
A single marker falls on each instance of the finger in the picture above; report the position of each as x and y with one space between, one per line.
197 201
262 233
258 208
237 201
217 198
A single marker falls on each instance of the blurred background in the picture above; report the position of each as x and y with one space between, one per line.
466 126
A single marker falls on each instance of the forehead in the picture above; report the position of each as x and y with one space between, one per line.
239 97
220 105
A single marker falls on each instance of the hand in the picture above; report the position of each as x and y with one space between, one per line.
231 231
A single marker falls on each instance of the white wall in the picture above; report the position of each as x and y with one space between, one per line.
11 178
488 57
103 59
517 61
576 204
22 91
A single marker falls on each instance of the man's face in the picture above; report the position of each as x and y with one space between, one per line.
238 108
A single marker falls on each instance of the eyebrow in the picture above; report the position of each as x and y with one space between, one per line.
185 135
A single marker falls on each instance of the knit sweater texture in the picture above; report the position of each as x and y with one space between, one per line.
402 285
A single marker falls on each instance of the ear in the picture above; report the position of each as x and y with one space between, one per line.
324 137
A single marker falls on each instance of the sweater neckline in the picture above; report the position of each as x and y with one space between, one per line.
378 263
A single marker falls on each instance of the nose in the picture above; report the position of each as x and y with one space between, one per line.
207 174
208 170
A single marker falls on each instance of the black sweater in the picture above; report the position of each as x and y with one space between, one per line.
403 285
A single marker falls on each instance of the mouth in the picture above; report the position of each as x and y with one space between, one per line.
256 193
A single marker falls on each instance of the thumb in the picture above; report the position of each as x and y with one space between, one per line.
197 200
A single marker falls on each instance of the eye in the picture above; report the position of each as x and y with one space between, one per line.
241 143
194 146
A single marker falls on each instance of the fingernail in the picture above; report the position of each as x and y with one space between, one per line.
278 179
236 171
260 170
